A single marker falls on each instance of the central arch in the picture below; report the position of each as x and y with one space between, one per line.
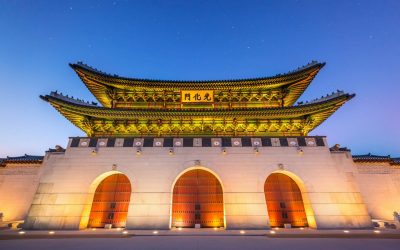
284 201
111 202
197 200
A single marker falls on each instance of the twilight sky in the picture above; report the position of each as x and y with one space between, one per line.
201 40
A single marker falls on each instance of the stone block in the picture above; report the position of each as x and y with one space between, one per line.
44 188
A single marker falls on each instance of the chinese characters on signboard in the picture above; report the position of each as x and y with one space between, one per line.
199 96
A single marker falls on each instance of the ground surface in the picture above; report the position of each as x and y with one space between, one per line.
202 242
220 239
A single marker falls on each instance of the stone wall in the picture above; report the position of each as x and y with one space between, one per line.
18 183
380 186
63 199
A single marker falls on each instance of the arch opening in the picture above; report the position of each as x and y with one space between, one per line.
284 201
110 202
197 200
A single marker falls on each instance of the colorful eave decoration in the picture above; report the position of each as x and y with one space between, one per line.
249 107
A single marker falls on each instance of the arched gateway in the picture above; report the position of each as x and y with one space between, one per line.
284 201
111 202
197 199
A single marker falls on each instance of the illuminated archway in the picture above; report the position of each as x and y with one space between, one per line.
197 199
284 201
110 202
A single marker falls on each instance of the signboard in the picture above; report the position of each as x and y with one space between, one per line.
197 96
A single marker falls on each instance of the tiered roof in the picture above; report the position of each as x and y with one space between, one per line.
248 107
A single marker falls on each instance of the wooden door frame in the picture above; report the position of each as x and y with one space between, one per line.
90 195
304 194
190 169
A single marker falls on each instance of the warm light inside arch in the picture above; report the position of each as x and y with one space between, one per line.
94 186
197 198
290 201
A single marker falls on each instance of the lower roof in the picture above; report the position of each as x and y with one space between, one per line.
95 121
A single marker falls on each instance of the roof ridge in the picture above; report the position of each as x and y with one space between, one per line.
372 156
292 72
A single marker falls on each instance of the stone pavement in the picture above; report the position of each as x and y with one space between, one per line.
272 233
216 242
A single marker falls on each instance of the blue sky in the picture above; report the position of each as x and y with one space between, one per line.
201 40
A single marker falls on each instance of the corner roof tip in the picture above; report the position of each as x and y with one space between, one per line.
350 96
319 63
76 64
44 98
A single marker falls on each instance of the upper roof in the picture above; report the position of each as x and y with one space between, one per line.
294 82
